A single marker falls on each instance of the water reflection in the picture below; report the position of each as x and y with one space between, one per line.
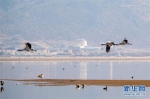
76 70
119 70
83 70
2 89
111 70
22 91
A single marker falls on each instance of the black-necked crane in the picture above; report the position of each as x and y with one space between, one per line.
124 42
105 88
83 85
109 44
2 83
28 47
78 86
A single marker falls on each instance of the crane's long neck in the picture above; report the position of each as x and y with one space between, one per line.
21 50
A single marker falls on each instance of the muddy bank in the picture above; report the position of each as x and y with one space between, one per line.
62 82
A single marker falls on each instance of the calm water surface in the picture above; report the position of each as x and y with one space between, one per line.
71 70
75 70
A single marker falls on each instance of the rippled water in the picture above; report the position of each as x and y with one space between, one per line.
71 70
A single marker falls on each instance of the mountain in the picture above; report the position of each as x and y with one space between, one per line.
48 23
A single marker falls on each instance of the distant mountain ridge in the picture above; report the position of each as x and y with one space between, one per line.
47 23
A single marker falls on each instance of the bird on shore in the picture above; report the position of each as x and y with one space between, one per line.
27 48
105 88
124 42
41 76
78 86
109 44
2 83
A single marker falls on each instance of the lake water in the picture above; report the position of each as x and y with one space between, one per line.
109 70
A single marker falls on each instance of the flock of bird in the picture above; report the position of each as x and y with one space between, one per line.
83 86
41 76
109 44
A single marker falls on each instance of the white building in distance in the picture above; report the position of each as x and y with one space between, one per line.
81 43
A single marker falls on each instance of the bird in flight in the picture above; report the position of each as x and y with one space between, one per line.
109 44
124 42
28 48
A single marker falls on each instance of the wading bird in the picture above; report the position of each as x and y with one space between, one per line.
78 86
83 85
109 44
105 88
2 83
27 48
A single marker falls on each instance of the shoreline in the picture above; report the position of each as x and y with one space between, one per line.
63 82
75 58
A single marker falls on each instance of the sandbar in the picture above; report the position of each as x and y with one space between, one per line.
63 82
